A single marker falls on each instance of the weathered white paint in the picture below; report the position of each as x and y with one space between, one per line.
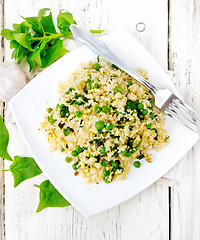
147 215
2 219
184 61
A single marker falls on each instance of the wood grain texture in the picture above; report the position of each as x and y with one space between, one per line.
144 217
184 61
2 199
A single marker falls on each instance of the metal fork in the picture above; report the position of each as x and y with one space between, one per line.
164 98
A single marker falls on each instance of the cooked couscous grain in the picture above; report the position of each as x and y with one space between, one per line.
104 123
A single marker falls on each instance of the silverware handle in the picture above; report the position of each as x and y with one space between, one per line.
83 35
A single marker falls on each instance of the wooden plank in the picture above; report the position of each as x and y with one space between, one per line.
146 215
184 61
2 199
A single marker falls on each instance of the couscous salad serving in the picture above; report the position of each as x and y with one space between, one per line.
104 123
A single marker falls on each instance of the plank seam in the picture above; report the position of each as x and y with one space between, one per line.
168 63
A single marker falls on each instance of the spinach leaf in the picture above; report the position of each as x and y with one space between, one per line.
23 168
4 139
50 197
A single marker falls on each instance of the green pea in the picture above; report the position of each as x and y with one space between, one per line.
104 163
140 106
78 114
96 66
151 115
99 125
66 131
74 166
51 120
74 153
126 153
118 89
144 112
79 149
106 180
109 126
103 150
137 164
106 173
113 163
105 109
68 159
97 109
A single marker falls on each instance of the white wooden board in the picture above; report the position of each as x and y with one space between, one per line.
147 215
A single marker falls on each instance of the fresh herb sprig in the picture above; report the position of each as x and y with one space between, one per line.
37 40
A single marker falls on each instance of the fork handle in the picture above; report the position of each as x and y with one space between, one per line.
83 35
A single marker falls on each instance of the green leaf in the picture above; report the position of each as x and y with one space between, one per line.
50 197
31 61
16 27
24 168
33 21
4 139
8 34
14 44
24 27
53 53
36 38
46 21
64 20
42 12
22 52
34 58
22 38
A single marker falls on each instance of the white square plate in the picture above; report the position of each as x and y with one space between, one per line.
28 108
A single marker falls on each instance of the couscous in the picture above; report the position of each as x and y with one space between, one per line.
105 122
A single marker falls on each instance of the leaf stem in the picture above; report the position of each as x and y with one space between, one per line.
97 31
52 36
